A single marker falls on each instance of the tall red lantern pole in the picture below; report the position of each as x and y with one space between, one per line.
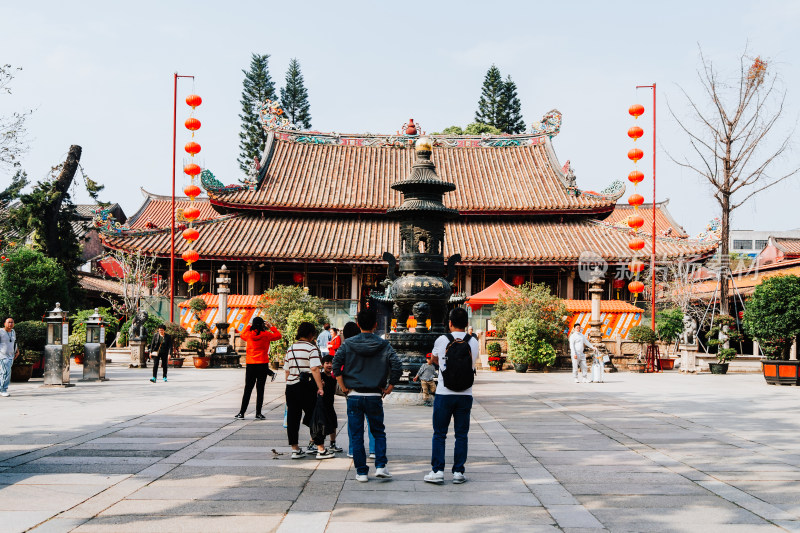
172 230
653 254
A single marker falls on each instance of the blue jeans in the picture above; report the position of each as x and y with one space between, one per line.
445 407
5 372
371 441
371 407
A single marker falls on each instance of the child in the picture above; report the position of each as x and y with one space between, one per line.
426 375
329 388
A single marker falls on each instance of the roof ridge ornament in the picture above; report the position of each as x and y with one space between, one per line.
549 125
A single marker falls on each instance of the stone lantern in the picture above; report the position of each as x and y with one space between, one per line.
224 354
94 360
56 352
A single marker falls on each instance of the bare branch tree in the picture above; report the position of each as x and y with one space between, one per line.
730 142
13 141
139 280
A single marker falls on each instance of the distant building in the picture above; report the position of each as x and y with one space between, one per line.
750 242
779 249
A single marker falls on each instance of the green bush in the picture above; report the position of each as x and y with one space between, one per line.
536 302
177 333
772 315
31 284
31 335
494 349
151 324
524 347
712 338
77 343
669 324
78 322
278 304
202 329
642 335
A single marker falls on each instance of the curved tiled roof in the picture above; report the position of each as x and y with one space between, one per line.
483 241
666 226
356 178
156 211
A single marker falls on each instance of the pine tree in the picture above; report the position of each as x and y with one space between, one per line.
258 87
294 97
489 105
511 109
11 193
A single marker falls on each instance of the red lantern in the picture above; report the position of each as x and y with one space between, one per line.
193 100
192 148
191 213
635 132
518 280
192 124
635 176
190 234
636 199
192 191
618 283
635 221
636 110
192 169
297 277
634 154
741 315
204 277
636 244
636 266
190 256
191 276
636 287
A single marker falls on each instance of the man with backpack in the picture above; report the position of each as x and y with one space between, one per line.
456 354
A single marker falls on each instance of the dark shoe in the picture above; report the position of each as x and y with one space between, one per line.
259 416
272 377
152 380
334 448
240 416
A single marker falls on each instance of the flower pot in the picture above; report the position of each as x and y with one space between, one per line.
781 372
666 363
718 368
202 361
79 358
637 367
21 373
494 368
521 368
177 362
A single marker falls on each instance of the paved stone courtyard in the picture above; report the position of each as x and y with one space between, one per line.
641 452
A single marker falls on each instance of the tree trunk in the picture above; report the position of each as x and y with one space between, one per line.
724 252
60 188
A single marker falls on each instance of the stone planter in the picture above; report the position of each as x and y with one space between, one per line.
637 367
202 361
21 373
521 368
718 368
781 372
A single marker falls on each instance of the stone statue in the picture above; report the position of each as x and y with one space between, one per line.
137 331
689 333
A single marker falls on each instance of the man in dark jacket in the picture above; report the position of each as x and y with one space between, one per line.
160 348
367 368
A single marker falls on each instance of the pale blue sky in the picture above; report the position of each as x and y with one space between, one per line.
99 74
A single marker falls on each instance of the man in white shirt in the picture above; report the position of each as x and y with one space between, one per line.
577 344
8 352
454 402
324 339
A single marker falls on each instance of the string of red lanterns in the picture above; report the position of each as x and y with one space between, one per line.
191 213
635 221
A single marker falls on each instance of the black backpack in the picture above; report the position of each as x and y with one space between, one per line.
458 373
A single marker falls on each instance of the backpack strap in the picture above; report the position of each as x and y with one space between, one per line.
450 338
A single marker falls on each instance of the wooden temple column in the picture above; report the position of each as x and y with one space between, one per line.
571 286
468 282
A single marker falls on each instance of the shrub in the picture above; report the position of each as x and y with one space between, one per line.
195 346
76 344
772 315
178 335
276 306
31 284
78 322
493 349
31 335
669 324
197 305
536 302
723 354
525 348
642 335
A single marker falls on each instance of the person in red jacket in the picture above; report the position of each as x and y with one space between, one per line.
258 336
335 342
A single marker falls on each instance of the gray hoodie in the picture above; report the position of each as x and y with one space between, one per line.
366 362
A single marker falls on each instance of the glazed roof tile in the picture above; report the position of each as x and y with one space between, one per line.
347 178
666 226
606 306
788 245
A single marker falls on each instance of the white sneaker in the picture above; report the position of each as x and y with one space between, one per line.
4 394
298 454
383 473
577 380
435 477
458 478
362 478
372 456
350 455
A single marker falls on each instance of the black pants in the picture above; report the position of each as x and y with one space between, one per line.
164 364
255 375
301 398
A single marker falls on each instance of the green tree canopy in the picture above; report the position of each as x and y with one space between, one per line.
12 192
31 284
535 302
489 104
257 87
294 97
772 314
511 109
278 304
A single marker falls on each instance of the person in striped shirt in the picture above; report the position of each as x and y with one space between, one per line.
303 383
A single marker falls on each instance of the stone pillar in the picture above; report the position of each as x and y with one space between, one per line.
571 286
223 349
756 350
468 282
793 351
251 280
596 291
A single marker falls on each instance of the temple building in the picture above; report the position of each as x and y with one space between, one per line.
314 214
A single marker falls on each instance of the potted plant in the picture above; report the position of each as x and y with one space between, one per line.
178 335
772 317
31 337
526 348
722 332
200 345
646 338
669 325
22 367
495 361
